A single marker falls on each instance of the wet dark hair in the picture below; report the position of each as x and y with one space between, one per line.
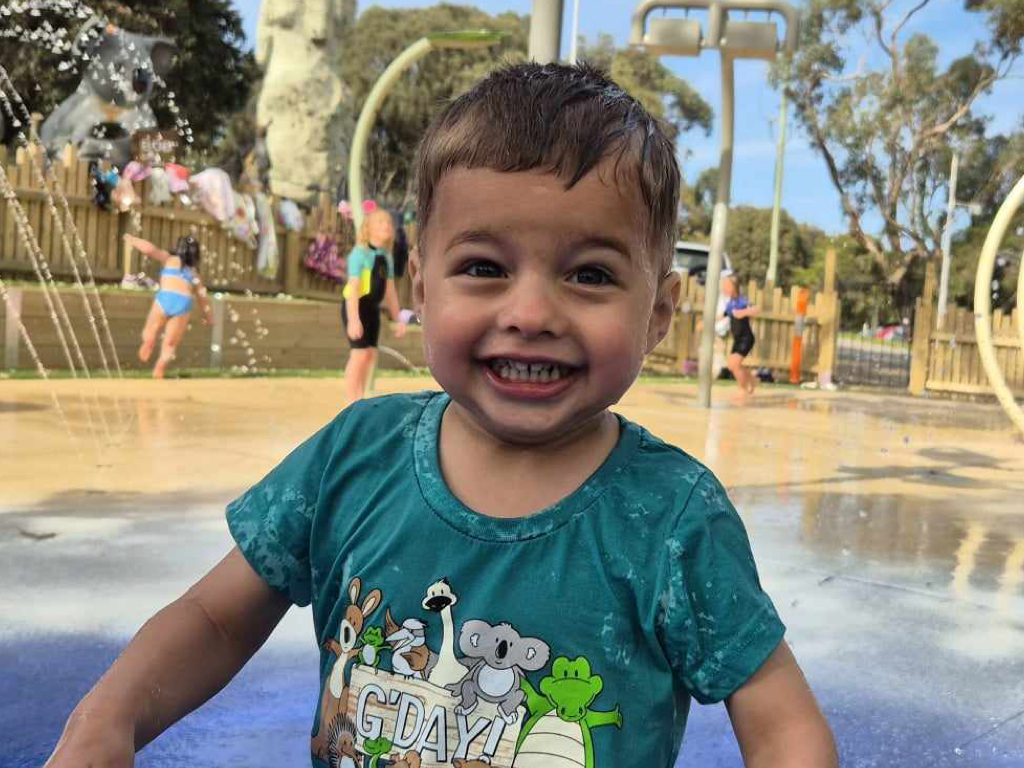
562 119
187 250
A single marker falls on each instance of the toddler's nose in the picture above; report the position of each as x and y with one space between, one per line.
531 308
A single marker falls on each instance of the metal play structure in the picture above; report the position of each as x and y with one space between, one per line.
983 304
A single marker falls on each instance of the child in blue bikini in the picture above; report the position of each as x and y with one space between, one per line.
179 281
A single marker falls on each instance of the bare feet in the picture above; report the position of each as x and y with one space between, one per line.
158 369
145 351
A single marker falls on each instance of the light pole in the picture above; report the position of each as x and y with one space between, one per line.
546 31
947 238
734 40
780 163
573 45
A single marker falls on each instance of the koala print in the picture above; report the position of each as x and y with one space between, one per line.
496 656
118 81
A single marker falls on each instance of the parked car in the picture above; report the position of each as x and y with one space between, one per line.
893 332
692 259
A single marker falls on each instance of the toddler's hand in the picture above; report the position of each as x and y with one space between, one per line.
400 330
355 330
107 749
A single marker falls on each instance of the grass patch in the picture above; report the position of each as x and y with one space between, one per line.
213 373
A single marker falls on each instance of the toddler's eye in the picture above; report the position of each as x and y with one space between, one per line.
482 269
593 276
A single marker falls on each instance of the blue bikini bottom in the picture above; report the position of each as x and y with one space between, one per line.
174 303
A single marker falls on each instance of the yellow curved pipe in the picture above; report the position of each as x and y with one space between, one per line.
983 303
1020 301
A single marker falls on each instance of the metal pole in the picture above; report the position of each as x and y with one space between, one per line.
575 30
780 160
947 241
719 223
546 31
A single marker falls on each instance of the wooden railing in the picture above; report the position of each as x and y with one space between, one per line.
774 328
946 360
227 264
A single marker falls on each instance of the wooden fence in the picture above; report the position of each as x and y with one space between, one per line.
260 333
774 328
227 264
946 360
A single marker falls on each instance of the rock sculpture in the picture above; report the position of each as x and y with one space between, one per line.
304 106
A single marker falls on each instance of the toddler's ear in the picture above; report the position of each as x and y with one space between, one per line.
666 299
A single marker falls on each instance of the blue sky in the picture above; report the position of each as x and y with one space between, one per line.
808 194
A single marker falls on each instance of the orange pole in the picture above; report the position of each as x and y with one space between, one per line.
802 297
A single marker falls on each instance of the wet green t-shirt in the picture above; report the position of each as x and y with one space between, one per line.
572 637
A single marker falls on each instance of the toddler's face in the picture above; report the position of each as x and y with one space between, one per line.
538 303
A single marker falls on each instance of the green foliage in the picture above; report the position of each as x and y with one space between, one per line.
377 38
696 204
211 79
444 75
886 132
748 244
966 252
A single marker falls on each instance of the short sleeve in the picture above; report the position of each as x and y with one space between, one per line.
272 521
355 263
717 625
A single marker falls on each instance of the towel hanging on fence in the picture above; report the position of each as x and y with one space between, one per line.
214 193
266 253
159 188
291 215
243 225
136 171
177 177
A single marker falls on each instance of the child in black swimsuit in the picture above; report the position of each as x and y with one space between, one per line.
371 282
739 312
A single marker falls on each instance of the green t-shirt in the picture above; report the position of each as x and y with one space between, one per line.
572 637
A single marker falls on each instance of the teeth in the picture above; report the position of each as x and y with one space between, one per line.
513 370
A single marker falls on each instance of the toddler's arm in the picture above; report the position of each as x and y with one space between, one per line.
179 659
746 312
776 719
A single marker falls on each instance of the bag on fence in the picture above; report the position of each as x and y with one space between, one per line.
323 258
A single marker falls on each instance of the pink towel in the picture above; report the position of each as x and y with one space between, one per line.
135 171
177 177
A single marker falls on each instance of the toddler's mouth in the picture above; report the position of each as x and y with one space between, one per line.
529 372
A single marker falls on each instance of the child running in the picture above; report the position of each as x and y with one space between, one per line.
371 282
738 311
505 570
172 307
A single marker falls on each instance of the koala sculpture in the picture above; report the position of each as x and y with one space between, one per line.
113 96
496 657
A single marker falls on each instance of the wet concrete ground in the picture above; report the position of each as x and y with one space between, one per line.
889 531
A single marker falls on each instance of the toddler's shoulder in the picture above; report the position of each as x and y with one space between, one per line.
387 413
663 462
668 479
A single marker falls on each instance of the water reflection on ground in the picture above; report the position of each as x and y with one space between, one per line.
889 532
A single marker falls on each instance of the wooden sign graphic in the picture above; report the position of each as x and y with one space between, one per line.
155 147
415 715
